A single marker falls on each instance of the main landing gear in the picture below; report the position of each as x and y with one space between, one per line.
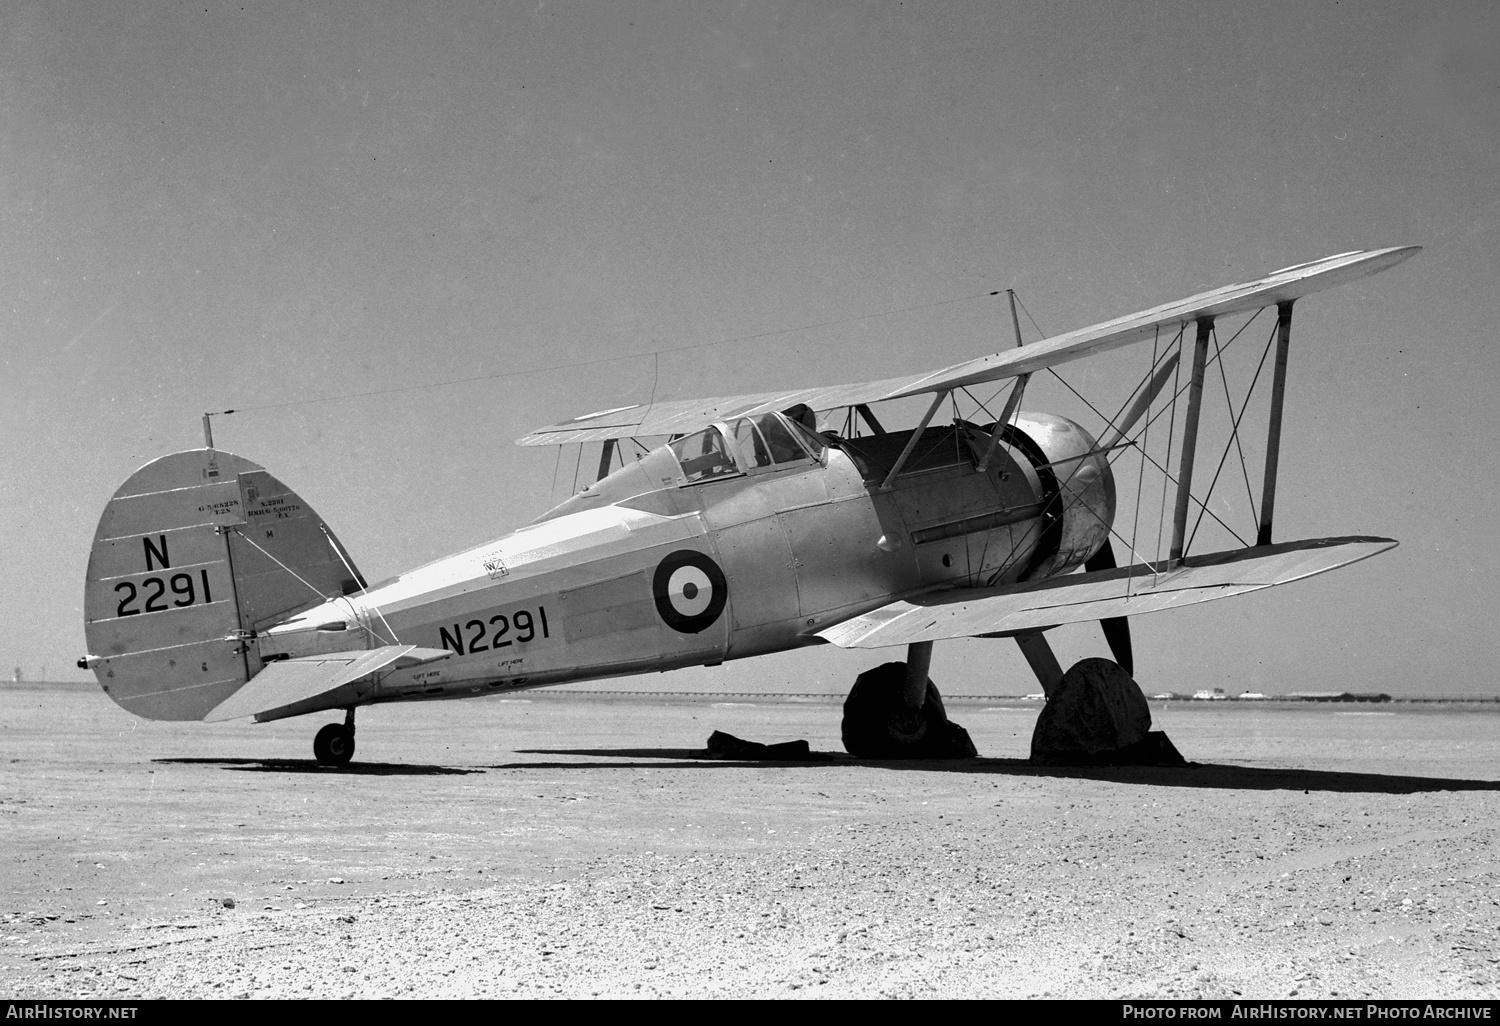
1095 714
334 745
895 712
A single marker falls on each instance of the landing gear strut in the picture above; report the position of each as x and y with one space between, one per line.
334 745
895 712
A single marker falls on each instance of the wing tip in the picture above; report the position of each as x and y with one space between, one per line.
1355 256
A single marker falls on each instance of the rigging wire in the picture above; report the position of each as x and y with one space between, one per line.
994 396
1234 427
1211 359
1050 370
1156 566
1168 478
1109 422
982 406
1030 318
1249 491
364 626
364 589
657 354
1234 432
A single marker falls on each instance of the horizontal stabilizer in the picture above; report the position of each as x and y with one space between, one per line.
1076 598
294 686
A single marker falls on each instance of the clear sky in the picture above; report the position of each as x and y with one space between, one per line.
206 206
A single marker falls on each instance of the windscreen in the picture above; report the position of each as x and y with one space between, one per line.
703 455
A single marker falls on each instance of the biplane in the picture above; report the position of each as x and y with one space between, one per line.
760 523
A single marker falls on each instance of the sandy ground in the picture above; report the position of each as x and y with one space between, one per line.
568 845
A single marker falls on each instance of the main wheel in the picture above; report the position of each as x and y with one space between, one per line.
879 725
1097 716
334 745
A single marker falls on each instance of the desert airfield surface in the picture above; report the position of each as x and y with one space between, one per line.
568 844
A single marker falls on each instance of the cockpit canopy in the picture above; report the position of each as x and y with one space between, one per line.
744 446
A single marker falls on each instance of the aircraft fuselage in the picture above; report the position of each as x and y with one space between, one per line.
649 569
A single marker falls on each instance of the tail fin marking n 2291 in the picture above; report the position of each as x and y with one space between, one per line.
194 551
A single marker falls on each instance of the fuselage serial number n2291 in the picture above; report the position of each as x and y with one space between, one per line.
496 632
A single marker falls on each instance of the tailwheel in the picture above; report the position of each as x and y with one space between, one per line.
334 745
880 724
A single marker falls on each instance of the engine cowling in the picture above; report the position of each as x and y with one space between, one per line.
1078 491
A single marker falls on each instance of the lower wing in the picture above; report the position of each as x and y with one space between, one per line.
1075 598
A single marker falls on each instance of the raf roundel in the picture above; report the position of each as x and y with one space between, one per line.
690 591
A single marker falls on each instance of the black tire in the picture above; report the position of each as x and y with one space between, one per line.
1096 712
334 745
879 725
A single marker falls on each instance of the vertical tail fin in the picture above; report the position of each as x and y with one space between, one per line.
194 552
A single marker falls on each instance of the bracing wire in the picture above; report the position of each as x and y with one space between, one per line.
1168 408
1249 491
1234 432
610 359
993 397
364 591
1216 356
976 401
1080 396
313 589
304 580
1030 318
1171 479
1236 418
1109 422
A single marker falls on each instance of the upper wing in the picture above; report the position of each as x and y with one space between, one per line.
682 416
1017 609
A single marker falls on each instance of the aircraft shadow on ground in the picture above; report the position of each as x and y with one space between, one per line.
1202 775
370 769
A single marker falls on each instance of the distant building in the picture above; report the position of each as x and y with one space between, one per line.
1338 696
1210 695
1252 696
